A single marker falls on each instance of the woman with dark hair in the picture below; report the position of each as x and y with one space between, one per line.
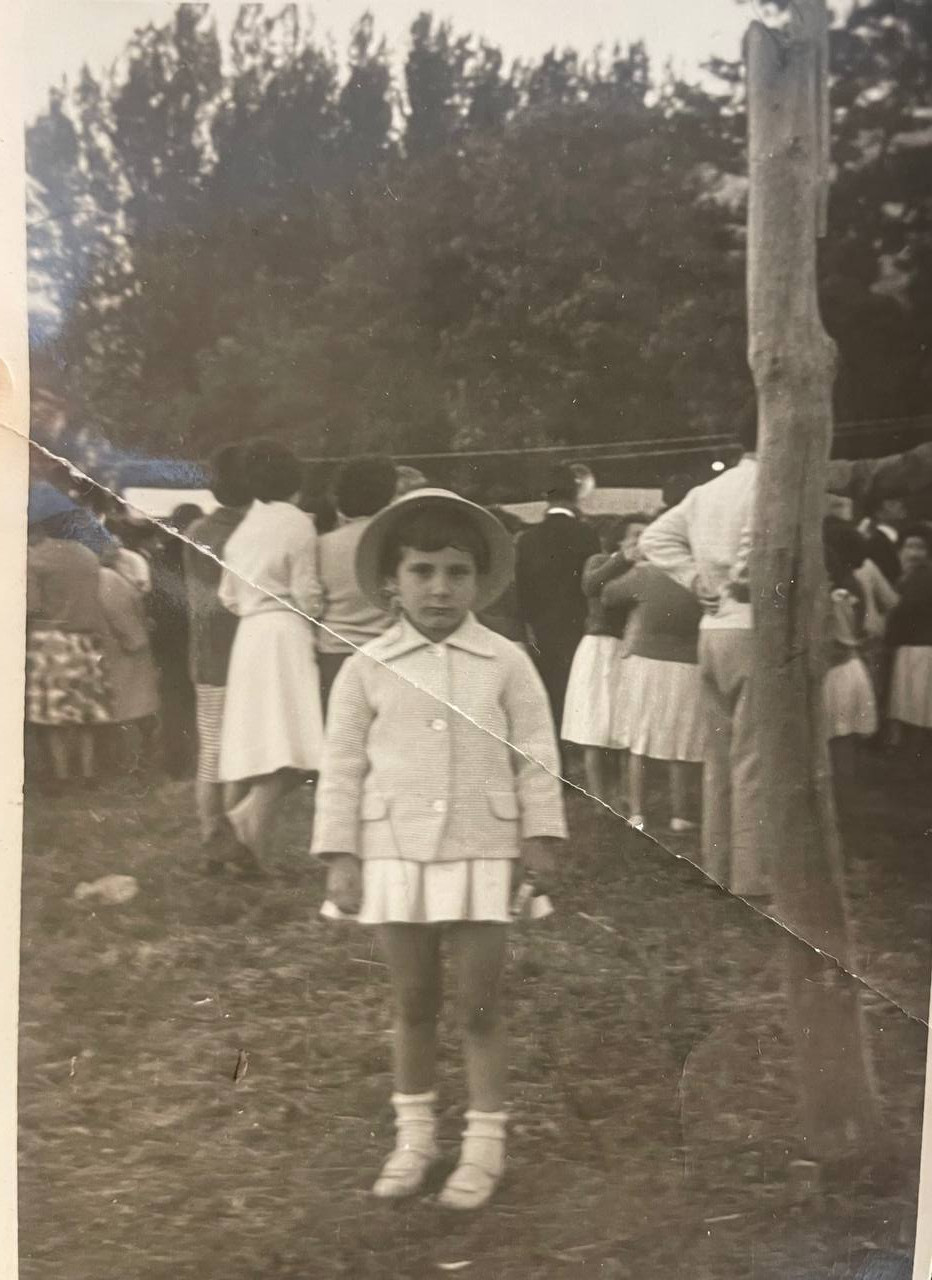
272 722
361 488
212 629
909 634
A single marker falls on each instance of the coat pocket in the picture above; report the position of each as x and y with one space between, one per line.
504 804
373 807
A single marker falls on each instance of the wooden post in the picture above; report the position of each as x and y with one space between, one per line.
792 360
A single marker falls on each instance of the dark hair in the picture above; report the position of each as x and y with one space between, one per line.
365 485
676 487
273 471
746 430
562 484
875 501
434 530
184 515
228 480
921 531
845 549
611 530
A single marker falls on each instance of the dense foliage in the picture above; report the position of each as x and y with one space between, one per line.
256 239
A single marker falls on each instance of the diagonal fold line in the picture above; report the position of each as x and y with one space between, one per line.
451 706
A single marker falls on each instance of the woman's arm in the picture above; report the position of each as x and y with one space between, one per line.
306 591
117 601
600 569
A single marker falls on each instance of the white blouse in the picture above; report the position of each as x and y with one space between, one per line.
270 562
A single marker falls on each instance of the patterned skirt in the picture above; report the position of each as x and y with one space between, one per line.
66 680
210 700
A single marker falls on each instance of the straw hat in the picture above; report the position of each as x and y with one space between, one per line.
380 527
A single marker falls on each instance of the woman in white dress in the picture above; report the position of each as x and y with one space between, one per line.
272 722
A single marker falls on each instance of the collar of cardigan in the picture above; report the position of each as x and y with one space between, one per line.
404 638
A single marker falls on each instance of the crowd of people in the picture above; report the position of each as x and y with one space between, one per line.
436 668
611 609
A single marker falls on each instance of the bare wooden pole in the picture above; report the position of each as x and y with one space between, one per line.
792 360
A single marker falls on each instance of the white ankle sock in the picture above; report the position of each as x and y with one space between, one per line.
484 1141
415 1122
481 1162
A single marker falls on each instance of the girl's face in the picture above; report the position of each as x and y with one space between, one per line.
913 552
436 589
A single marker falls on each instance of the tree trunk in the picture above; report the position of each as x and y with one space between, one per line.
792 360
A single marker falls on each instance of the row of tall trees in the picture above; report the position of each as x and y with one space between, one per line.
452 251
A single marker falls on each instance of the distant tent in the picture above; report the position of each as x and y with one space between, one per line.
160 473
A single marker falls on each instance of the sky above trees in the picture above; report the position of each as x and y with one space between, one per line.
238 233
63 34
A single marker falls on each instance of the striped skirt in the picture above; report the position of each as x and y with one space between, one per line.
210 699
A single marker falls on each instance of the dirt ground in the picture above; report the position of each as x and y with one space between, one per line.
204 1070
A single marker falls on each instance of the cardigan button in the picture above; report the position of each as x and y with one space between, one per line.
439 806
439 725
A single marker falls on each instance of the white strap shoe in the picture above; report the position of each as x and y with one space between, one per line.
403 1173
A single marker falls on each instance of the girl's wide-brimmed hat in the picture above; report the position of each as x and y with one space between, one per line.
383 523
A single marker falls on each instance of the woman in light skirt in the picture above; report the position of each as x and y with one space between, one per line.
272 730
590 710
659 715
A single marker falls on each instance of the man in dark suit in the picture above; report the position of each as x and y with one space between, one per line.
548 572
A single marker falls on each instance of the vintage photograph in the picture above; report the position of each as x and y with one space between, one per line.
478 649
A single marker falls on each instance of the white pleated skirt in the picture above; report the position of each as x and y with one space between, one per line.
850 705
911 685
592 691
400 892
659 712
271 716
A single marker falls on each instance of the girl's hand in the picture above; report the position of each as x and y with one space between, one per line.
344 882
538 858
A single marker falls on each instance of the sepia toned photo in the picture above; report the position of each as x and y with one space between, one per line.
476 640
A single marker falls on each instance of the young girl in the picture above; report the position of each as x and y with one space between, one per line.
440 773
659 716
595 684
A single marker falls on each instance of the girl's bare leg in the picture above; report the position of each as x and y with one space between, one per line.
253 817
412 953
596 763
679 789
636 785
479 956
479 949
